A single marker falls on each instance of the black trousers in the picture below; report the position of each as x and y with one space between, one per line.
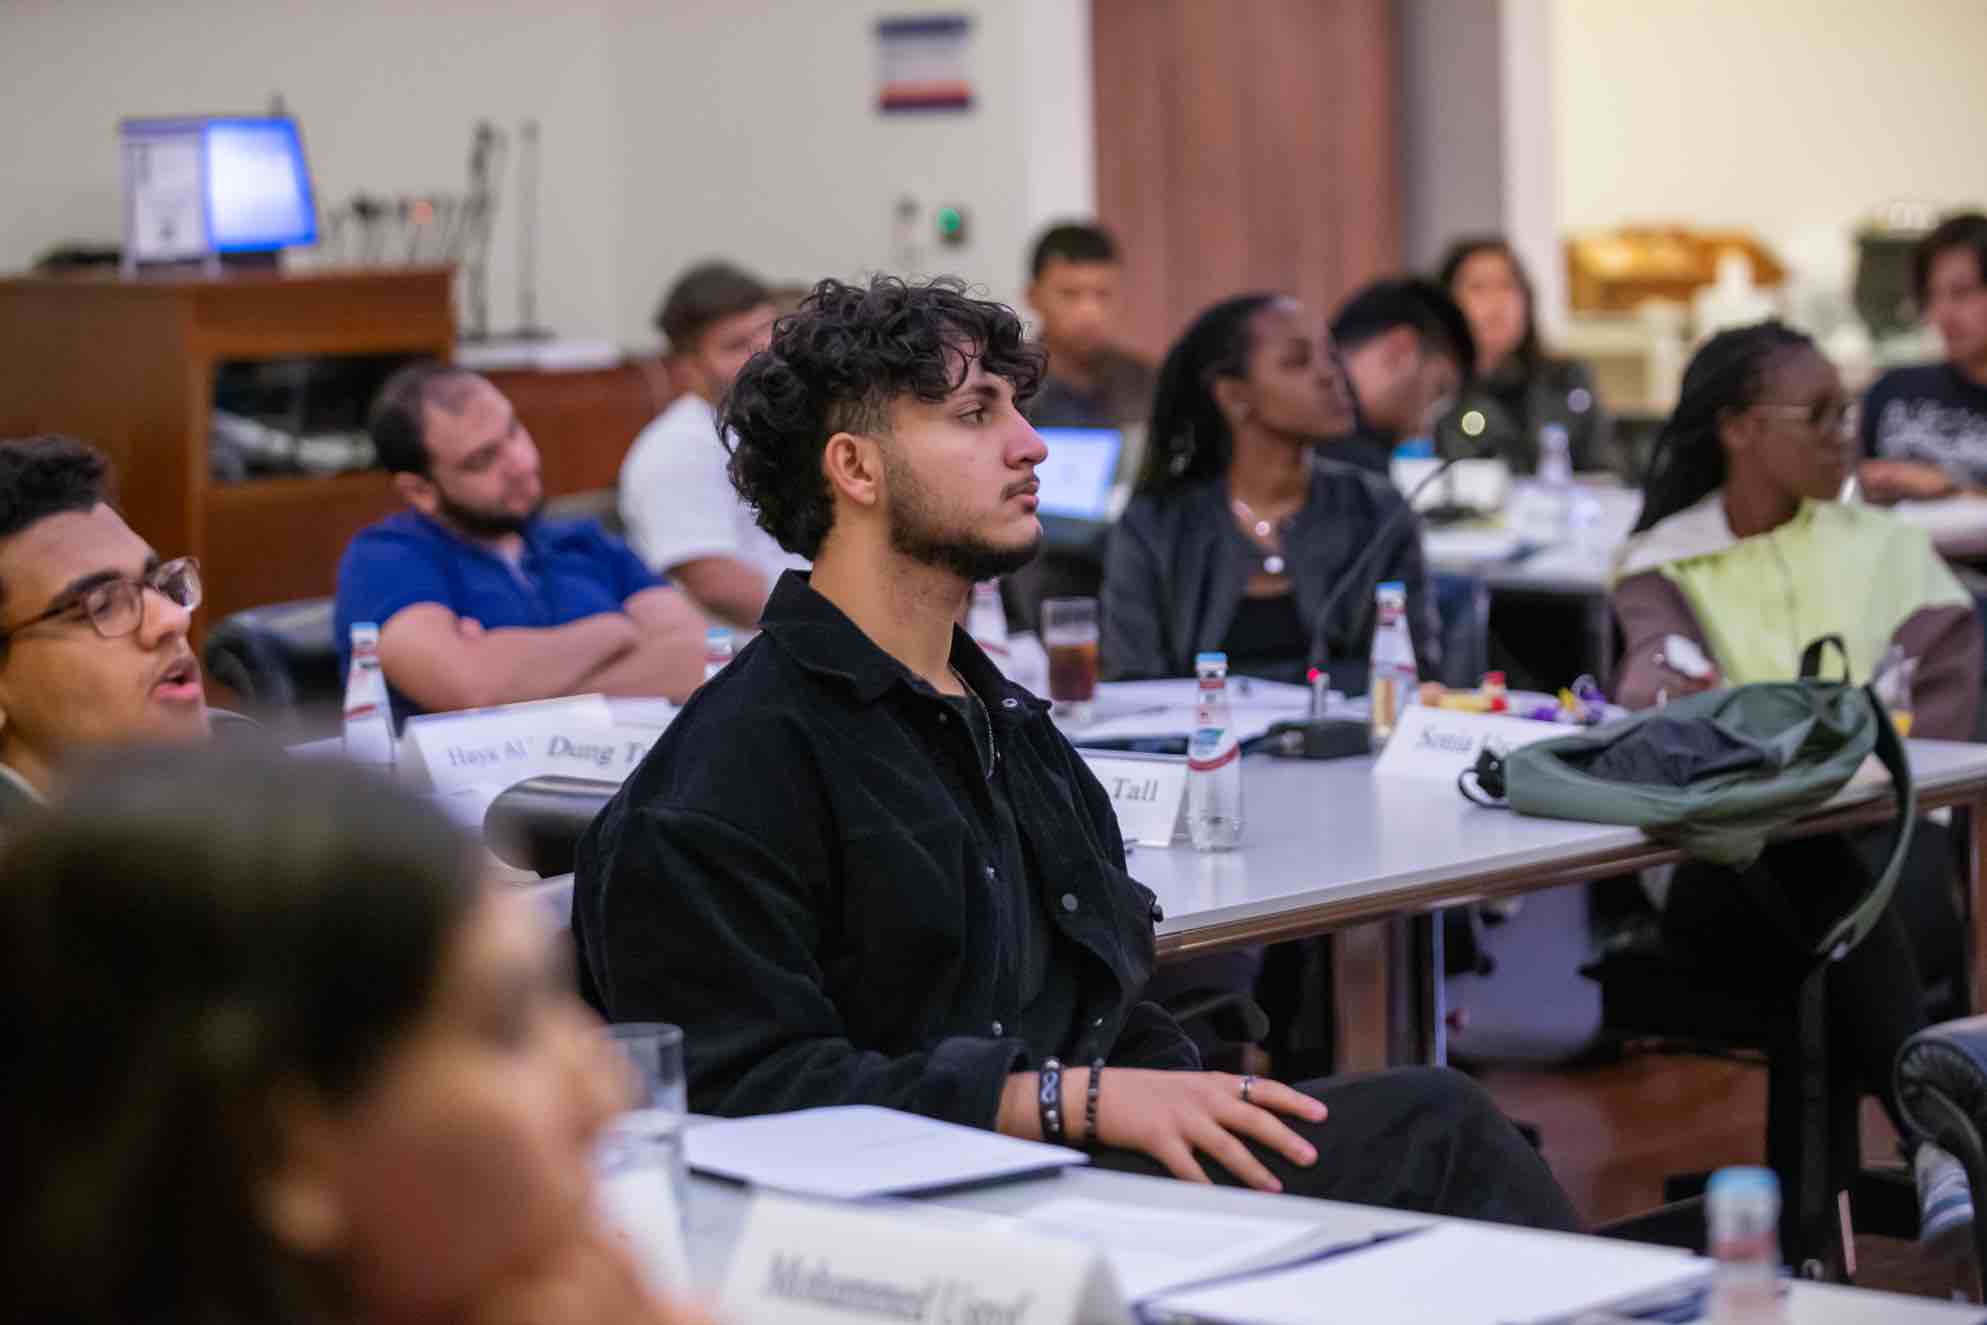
1877 995
1427 1140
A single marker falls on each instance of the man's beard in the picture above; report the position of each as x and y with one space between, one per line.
917 532
484 524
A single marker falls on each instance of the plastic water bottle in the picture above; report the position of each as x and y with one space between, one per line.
986 621
717 650
1556 476
1393 678
1214 762
368 713
1742 1208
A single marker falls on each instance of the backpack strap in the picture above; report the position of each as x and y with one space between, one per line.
1812 656
1857 921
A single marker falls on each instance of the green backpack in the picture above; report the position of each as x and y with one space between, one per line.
1717 772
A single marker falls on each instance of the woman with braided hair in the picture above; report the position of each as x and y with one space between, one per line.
1744 554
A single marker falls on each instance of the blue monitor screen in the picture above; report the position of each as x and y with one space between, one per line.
1076 478
258 187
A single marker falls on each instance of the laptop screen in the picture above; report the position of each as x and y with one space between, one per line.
1076 478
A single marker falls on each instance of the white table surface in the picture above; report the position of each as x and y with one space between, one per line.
1328 833
717 1213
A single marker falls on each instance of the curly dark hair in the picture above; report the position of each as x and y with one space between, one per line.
835 365
48 475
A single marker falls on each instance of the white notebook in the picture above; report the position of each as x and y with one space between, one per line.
854 1151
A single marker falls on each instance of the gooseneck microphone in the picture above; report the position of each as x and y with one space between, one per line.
1360 572
1320 737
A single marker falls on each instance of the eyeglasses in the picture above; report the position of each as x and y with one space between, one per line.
1830 416
117 607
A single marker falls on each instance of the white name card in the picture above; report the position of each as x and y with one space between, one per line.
503 746
1435 744
1147 791
798 1263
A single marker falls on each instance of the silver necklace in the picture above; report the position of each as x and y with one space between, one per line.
986 720
1267 534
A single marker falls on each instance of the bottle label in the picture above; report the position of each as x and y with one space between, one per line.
1212 748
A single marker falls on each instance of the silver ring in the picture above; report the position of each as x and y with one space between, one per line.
1246 1083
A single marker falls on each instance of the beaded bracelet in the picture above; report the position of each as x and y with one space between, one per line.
1049 1097
1090 1103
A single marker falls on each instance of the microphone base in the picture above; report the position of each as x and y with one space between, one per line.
1319 738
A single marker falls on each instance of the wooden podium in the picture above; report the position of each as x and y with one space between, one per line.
130 367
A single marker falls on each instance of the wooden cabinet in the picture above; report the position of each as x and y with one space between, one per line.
130 366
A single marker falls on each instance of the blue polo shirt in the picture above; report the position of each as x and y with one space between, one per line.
570 569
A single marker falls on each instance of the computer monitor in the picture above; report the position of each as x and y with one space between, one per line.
204 185
1076 478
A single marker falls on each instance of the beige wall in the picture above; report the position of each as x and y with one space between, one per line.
386 93
1782 115
672 129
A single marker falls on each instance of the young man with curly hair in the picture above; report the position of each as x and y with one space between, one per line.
860 867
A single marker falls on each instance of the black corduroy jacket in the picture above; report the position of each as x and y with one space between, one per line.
798 875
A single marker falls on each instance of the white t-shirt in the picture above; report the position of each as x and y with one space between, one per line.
677 500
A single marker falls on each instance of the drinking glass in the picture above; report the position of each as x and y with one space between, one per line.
644 1182
1069 632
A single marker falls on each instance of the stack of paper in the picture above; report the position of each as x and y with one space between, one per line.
1453 1274
856 1151
1158 1251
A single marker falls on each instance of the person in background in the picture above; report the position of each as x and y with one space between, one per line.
481 600
1407 349
680 511
1924 429
1238 533
1516 387
93 625
338 1078
1744 554
862 868
1090 381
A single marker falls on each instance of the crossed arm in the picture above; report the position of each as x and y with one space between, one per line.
652 646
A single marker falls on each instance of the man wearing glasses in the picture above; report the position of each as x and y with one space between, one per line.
93 626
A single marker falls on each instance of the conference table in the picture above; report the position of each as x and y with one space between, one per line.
717 1211
1329 847
1568 568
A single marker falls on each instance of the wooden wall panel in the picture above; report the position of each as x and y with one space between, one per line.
1244 145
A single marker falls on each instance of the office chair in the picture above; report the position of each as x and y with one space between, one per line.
1651 991
278 657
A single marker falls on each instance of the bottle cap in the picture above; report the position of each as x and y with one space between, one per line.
1743 1180
1390 586
1416 448
1205 659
